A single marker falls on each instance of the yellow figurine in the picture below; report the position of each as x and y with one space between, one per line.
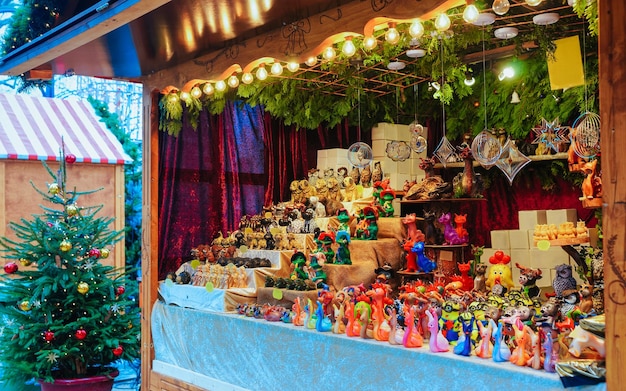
499 272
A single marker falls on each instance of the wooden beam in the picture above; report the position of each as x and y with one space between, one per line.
41 51
308 37
612 52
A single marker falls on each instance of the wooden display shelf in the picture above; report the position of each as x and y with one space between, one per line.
436 200
446 246
533 158
566 241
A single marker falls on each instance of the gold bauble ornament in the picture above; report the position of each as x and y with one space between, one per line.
53 188
104 253
25 262
71 210
25 305
83 288
65 245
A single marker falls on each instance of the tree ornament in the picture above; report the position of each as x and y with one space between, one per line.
72 210
48 335
70 158
80 334
552 134
104 253
94 252
25 305
10 268
511 160
130 325
53 188
118 351
25 262
120 290
83 288
65 246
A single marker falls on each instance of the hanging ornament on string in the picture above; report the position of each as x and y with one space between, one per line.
360 154
511 160
551 134
585 135
418 142
486 148
445 151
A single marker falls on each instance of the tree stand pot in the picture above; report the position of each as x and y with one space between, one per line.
92 383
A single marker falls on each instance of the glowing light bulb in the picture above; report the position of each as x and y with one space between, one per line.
329 53
369 42
417 29
208 89
233 81
247 78
261 73
392 35
311 61
276 69
572 3
196 92
501 7
470 15
220 86
442 23
348 47
508 72
533 3
293 66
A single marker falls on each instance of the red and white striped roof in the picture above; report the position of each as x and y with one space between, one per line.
31 128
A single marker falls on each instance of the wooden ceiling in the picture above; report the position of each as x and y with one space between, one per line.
179 42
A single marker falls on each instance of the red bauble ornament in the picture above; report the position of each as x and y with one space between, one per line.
70 158
120 290
48 335
10 268
80 334
94 252
118 351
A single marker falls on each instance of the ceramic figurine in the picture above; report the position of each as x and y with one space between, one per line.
563 280
480 279
343 251
424 263
449 323
550 353
296 195
339 308
343 216
412 233
317 260
322 323
431 233
410 256
270 243
528 280
334 190
464 344
393 328
355 174
351 322
342 173
377 172
298 313
536 359
437 342
317 206
362 318
366 176
465 278
459 221
387 196
326 240
501 351
311 318
371 217
411 338
321 190
484 349
499 271
350 191
520 354
380 298
450 235
308 224
298 261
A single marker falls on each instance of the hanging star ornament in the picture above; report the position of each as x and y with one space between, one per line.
444 151
552 134
52 357
511 161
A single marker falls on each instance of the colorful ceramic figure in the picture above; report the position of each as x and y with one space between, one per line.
322 323
343 216
437 342
499 272
370 232
449 233
528 280
411 338
410 256
343 251
464 344
501 351
317 261
298 261
424 263
326 240
386 197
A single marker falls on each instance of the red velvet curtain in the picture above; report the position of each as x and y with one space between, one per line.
209 178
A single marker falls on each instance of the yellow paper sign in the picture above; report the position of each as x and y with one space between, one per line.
566 68
277 294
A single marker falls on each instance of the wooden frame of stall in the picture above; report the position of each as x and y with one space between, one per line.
612 51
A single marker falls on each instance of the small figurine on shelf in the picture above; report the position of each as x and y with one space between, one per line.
371 217
343 251
437 342
424 263
317 261
465 278
317 206
528 280
322 322
309 224
270 243
350 192
432 234
459 221
326 240
343 216
366 176
450 234
480 279
412 233
564 280
410 256
377 173
298 262
387 196
355 174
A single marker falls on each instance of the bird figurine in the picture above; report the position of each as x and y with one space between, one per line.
564 280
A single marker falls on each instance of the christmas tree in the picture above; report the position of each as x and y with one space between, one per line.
69 316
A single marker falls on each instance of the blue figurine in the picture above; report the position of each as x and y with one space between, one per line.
343 251
424 263
464 343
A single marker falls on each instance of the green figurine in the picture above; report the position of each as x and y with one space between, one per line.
343 251
387 196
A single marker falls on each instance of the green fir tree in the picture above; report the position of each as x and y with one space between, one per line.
70 316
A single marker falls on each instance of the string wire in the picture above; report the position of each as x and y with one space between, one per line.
443 105
484 80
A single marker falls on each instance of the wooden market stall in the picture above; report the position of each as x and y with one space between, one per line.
32 130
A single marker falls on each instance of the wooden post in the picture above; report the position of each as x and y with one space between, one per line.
612 53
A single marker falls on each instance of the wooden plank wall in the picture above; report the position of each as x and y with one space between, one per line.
612 74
